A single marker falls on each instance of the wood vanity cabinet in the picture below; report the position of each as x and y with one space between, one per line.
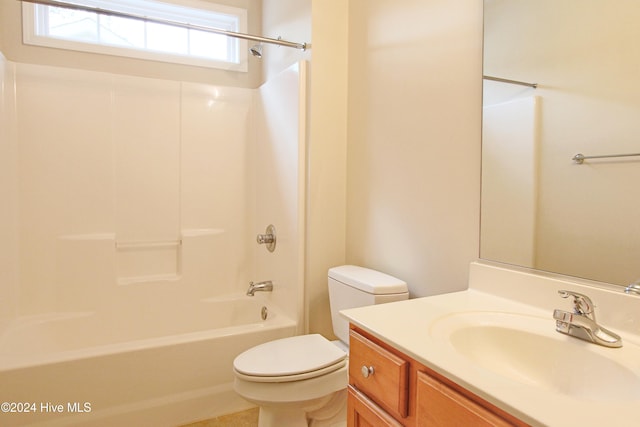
388 388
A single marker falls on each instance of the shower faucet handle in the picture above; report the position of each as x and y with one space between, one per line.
268 239
265 238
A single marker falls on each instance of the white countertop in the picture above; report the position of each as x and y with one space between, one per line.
409 327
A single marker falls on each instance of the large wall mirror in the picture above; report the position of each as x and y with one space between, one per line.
540 208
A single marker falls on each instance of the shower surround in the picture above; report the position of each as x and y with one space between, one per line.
135 204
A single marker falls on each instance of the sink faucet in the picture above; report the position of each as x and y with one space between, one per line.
266 286
582 322
633 288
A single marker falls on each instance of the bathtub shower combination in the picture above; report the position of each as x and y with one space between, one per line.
137 213
145 375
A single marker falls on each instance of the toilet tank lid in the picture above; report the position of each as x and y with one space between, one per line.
367 280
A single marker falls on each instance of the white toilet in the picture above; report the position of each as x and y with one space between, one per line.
302 380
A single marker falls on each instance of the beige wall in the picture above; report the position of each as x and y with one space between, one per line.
2 29
326 157
14 50
413 170
291 20
394 150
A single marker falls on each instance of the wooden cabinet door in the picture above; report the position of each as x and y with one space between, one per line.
438 405
387 380
362 412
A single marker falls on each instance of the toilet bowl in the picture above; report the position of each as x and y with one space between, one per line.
292 377
302 381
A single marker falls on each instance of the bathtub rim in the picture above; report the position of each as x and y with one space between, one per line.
10 362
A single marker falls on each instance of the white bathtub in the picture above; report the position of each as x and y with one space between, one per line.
131 367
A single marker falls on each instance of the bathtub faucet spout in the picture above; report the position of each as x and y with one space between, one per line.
266 286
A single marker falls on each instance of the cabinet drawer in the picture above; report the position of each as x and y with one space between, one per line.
380 374
438 405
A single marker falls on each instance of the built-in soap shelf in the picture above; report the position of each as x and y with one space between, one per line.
143 261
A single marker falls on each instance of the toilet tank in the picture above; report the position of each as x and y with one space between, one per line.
351 286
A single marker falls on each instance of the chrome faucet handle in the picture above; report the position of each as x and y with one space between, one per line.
268 238
582 304
582 322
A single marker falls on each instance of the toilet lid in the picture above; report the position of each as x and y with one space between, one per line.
290 357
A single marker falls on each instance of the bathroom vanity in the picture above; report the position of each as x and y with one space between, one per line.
389 388
491 356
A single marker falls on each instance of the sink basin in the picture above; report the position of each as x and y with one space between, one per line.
527 349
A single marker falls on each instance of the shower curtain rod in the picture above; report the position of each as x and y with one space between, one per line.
513 82
278 41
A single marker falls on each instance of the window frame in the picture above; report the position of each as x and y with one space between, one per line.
165 10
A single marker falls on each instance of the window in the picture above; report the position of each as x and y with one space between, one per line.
99 33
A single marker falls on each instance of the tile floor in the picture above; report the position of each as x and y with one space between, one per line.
248 418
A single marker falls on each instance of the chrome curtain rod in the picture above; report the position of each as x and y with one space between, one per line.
278 41
580 158
513 82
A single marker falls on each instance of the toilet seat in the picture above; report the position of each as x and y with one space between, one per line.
290 359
